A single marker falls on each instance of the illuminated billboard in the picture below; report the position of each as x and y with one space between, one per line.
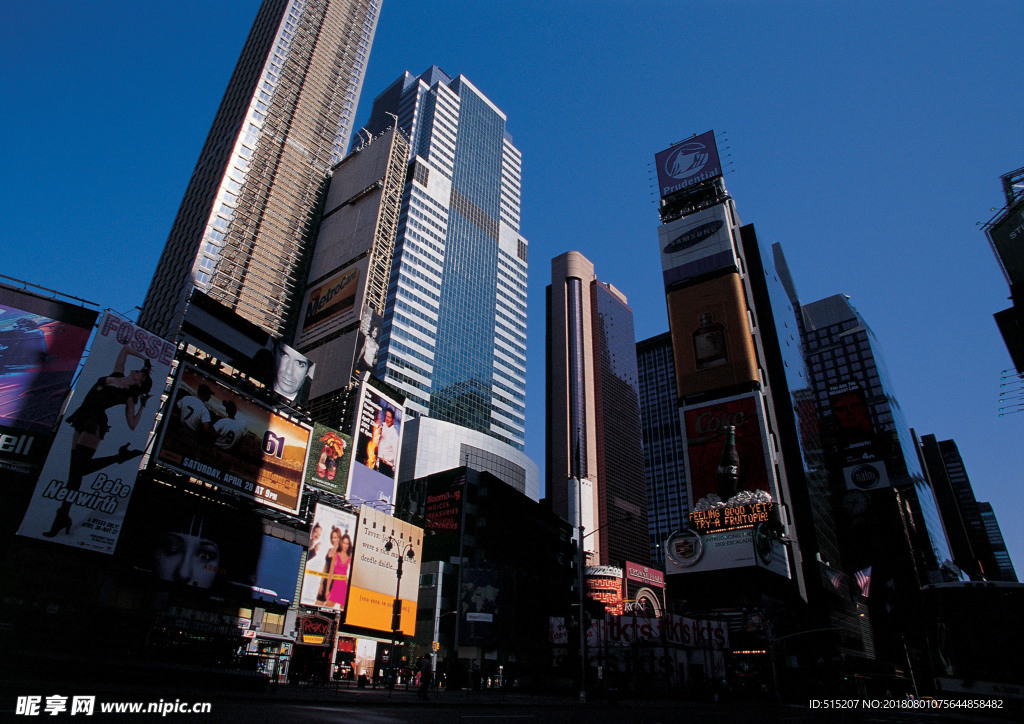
378 443
704 426
41 344
644 574
693 552
329 558
712 344
604 585
374 576
330 452
688 163
88 477
218 434
697 244
1007 238
331 304
863 469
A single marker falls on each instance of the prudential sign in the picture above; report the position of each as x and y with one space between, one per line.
688 163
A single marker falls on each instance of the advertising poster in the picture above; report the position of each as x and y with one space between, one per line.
215 433
186 541
479 605
378 438
240 344
711 340
330 304
374 576
696 244
329 558
705 439
755 547
368 343
330 452
855 436
688 163
87 480
41 344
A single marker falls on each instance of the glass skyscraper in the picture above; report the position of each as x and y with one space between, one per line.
249 210
454 337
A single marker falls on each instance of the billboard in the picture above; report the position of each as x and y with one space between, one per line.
331 304
705 439
368 342
378 440
693 552
371 597
1007 237
863 468
240 344
645 575
697 244
479 606
328 558
184 541
687 163
88 477
277 570
330 452
712 344
604 585
218 434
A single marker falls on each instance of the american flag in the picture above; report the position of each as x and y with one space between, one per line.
864 581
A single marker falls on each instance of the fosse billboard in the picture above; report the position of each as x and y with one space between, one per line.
215 433
688 163
41 344
88 477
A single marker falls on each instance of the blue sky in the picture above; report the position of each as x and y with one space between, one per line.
868 138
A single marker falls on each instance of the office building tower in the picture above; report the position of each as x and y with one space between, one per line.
1004 566
664 463
454 334
249 210
593 413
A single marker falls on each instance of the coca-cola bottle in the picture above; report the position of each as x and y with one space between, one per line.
729 466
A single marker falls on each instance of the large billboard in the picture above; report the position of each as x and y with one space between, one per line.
331 304
697 244
41 344
88 477
378 441
863 468
712 344
184 541
687 163
220 435
704 427
693 552
371 597
240 344
1007 238
479 604
330 452
329 558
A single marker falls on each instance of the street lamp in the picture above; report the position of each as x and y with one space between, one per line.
404 550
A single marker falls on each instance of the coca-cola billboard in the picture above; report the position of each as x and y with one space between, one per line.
705 438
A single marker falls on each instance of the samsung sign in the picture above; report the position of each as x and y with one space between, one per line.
688 163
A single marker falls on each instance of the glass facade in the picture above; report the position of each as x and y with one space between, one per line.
454 338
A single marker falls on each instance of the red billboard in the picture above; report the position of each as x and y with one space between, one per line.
218 434
704 427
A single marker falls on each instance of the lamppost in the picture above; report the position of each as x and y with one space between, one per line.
404 550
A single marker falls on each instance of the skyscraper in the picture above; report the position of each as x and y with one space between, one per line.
454 337
248 213
593 413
